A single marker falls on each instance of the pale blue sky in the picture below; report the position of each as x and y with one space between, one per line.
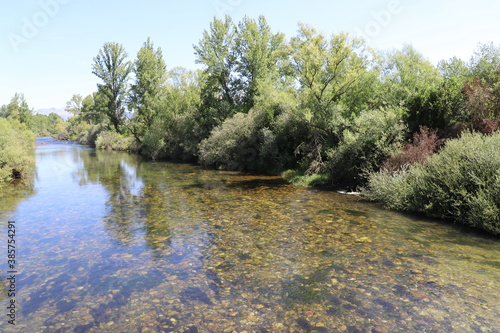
53 61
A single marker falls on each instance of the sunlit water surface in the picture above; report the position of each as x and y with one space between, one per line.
110 243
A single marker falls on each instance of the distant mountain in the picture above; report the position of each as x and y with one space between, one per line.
64 114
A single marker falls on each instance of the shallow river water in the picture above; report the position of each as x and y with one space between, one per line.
109 243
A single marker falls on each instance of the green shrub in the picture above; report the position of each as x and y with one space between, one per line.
264 139
153 145
90 135
181 138
77 131
16 150
393 189
87 134
290 134
112 140
173 138
373 137
232 145
62 130
461 182
80 131
437 108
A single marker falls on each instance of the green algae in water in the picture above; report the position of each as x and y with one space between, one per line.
352 212
301 291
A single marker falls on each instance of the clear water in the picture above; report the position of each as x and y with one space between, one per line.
110 243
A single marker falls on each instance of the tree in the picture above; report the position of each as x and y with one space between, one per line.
183 91
53 120
454 68
483 91
43 125
18 109
258 53
175 133
408 74
92 107
113 69
16 150
485 63
89 109
215 53
74 105
148 90
438 108
325 70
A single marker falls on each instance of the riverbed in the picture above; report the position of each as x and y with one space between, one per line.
107 242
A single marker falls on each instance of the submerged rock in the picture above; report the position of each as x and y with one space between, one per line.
304 323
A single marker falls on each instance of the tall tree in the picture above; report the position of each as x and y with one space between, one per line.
183 91
89 111
113 69
215 52
147 91
483 91
18 109
259 52
485 63
454 68
408 75
74 105
326 69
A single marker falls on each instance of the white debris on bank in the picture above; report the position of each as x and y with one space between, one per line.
349 193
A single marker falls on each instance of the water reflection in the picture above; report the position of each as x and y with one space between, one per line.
115 244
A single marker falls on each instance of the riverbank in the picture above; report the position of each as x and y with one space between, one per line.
16 150
459 184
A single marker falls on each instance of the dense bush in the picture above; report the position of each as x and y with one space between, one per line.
264 139
234 144
16 150
424 144
174 138
153 145
373 137
86 134
461 182
290 133
111 140
62 131
438 108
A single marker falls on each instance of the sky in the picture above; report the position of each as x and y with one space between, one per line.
47 46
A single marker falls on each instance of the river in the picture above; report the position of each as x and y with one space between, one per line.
107 242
